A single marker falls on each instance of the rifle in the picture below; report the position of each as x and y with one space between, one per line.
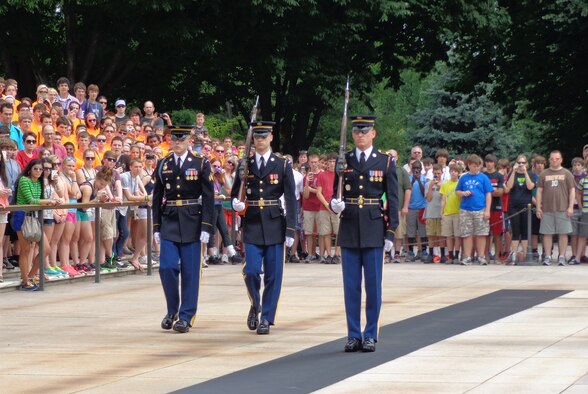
341 162
244 170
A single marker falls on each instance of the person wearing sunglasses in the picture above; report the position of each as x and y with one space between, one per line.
29 191
91 122
23 157
102 145
266 229
183 203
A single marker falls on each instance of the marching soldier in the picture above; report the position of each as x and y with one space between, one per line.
183 202
265 226
363 232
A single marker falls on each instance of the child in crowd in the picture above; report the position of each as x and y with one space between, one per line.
450 201
579 174
475 191
433 216
415 227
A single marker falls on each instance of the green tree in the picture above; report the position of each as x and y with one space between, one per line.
462 122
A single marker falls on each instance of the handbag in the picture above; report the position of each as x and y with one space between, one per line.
31 228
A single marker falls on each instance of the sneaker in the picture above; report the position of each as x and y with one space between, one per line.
108 267
436 259
52 273
310 260
88 268
428 259
71 271
29 287
410 257
329 260
7 264
396 259
466 261
225 259
204 264
336 260
491 257
321 260
547 260
443 260
237 259
561 261
482 260
573 261
293 259
120 265
583 260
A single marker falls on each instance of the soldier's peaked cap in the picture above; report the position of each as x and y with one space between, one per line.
363 123
262 127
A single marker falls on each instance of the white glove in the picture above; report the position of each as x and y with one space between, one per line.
289 242
204 237
156 237
337 205
238 205
388 245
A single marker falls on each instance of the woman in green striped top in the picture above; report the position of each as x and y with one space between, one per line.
29 191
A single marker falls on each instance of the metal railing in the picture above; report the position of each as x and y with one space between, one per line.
97 207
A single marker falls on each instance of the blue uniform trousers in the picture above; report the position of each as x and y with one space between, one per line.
180 258
371 261
272 258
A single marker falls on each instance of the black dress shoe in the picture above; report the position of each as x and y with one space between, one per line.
263 327
168 321
181 326
252 318
353 345
369 345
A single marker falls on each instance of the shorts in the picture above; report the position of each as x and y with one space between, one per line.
4 217
17 220
142 214
576 217
107 224
327 223
401 229
496 223
555 223
473 223
48 222
414 226
310 219
82 216
433 227
450 226
584 225
71 217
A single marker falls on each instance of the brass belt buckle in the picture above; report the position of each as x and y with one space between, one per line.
261 203
360 201
179 203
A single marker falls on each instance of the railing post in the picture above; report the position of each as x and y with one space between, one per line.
149 240
97 244
41 250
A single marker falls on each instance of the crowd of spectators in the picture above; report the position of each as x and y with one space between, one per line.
62 148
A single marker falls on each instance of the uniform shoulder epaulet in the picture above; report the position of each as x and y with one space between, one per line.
278 155
384 152
169 154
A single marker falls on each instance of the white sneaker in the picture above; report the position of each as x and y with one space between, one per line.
231 250
225 259
547 260
561 261
466 261
482 261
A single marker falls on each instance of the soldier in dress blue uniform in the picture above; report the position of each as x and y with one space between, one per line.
183 202
265 226
363 233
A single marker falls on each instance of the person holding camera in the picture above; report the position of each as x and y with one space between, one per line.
222 188
520 187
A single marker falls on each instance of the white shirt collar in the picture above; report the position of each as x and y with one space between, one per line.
183 157
266 157
367 152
